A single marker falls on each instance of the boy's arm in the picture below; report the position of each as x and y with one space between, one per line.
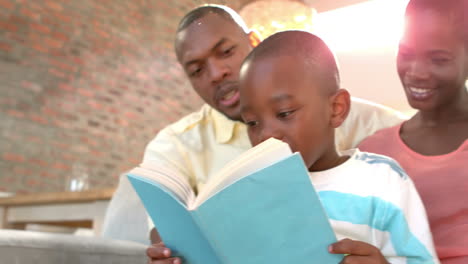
406 222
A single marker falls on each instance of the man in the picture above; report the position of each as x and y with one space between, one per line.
211 43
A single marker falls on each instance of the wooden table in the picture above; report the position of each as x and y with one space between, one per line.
71 209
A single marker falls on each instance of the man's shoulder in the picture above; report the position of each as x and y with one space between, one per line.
362 108
190 120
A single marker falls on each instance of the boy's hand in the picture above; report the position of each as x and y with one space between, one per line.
357 252
160 254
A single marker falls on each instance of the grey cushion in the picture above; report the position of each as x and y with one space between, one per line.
25 247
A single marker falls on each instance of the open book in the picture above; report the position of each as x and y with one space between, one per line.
260 208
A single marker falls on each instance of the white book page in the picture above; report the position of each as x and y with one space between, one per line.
178 185
254 159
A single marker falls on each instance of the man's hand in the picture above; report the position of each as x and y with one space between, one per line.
357 252
160 254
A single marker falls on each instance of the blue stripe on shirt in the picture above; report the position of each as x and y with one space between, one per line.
378 214
372 158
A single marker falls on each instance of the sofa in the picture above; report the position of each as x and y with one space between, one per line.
25 247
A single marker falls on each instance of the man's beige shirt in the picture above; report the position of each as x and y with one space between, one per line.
201 143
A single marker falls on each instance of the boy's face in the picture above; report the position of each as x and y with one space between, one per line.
432 61
280 98
211 51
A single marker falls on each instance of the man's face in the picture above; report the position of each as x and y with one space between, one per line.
211 51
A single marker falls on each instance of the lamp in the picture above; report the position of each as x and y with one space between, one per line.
269 17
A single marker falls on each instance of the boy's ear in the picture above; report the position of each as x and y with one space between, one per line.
254 38
340 105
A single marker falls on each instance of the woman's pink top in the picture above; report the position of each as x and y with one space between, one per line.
442 182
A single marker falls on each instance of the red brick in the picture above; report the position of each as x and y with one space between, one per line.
15 113
32 182
61 166
31 86
8 26
22 171
53 43
60 36
58 73
64 18
40 48
40 28
95 105
38 119
54 6
13 157
69 67
38 162
48 175
34 139
49 111
30 14
7 4
85 92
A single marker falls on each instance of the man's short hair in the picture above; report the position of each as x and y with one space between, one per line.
204 10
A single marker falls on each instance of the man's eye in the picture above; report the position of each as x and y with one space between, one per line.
228 51
195 72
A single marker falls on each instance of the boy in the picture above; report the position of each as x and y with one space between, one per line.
289 89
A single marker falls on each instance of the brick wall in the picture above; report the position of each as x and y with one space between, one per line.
86 84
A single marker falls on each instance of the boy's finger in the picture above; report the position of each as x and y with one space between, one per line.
356 260
158 251
351 247
167 261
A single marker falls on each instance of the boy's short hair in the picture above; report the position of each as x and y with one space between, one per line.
204 10
311 49
455 9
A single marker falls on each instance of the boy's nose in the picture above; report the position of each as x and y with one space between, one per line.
271 133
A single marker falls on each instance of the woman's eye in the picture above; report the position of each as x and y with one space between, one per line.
440 60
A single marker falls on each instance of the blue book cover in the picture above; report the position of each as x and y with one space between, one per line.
270 215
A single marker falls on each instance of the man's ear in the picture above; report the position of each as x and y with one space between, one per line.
340 104
254 38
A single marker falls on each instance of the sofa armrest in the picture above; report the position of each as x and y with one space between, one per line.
24 247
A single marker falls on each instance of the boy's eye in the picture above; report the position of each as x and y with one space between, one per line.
251 123
285 114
